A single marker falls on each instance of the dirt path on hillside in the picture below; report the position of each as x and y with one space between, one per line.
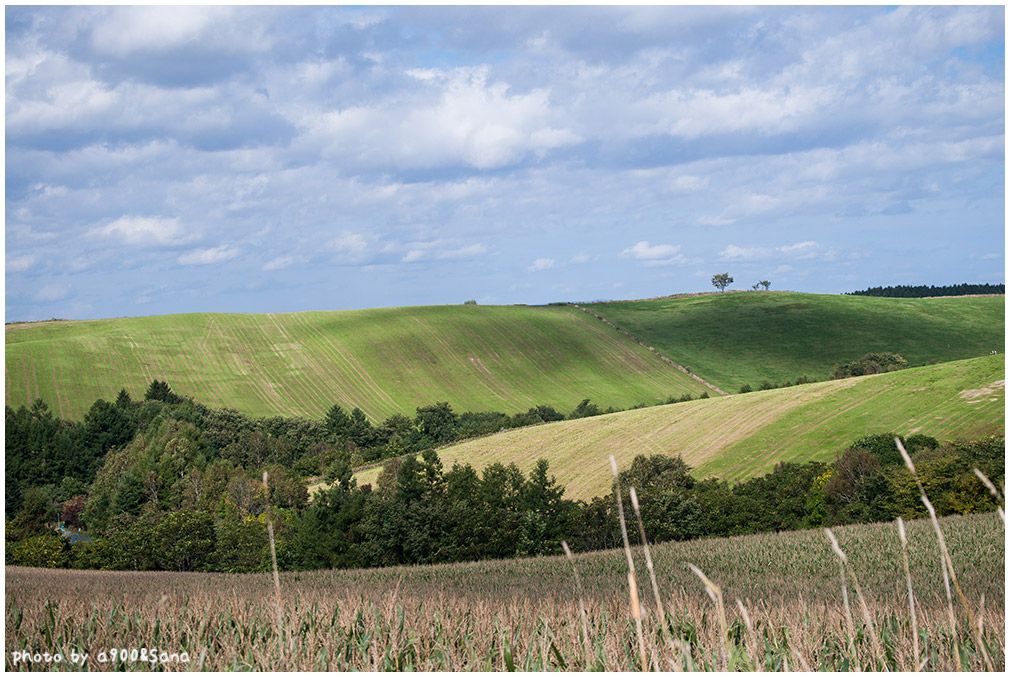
655 352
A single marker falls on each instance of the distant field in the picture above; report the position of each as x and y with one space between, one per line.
735 338
742 436
385 361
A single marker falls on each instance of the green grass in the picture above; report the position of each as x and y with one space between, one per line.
732 339
385 361
742 436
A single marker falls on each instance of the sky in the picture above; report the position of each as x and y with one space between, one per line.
278 159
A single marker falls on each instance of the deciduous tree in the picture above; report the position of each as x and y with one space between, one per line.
721 280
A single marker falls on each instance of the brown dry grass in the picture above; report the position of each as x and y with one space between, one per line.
783 609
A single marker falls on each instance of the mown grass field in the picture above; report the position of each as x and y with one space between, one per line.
735 338
525 614
385 361
742 436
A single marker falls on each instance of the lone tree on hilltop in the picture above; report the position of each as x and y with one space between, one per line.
765 284
721 280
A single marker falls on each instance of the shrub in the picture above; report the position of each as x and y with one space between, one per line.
46 550
870 363
72 512
585 409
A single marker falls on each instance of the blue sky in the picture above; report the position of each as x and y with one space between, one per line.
273 159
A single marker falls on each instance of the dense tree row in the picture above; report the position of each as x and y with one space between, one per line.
922 291
65 456
185 492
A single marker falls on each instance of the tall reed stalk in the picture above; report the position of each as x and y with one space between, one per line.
994 491
661 610
864 609
849 629
715 593
278 603
752 643
582 605
911 594
946 564
636 610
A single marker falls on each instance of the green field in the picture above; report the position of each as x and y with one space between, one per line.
742 436
385 361
732 339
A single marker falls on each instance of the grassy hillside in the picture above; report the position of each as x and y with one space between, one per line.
742 436
504 358
732 339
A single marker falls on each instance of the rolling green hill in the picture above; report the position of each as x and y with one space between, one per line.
743 436
385 361
736 338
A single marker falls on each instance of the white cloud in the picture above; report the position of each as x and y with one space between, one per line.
581 257
351 247
541 264
443 250
644 251
733 252
689 184
132 29
800 250
21 263
146 231
655 255
279 263
465 252
201 257
714 221
53 292
469 121
413 255
771 110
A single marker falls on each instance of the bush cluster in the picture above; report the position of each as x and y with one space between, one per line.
870 363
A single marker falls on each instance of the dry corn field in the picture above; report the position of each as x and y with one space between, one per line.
782 609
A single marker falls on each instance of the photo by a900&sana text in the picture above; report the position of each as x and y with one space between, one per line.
151 656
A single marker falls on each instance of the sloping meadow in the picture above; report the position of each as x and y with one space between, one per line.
734 339
383 361
742 436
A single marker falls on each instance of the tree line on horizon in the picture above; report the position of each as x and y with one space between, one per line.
922 291
170 484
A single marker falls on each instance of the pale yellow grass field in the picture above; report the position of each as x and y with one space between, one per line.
746 435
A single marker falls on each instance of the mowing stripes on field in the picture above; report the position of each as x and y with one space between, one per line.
384 361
